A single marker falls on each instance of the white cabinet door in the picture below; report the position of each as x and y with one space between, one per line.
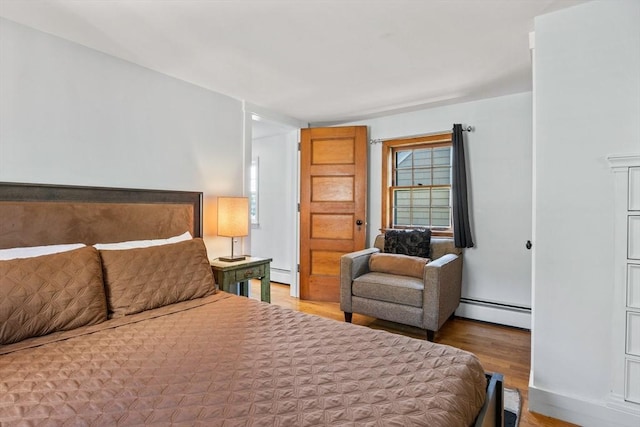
633 239
633 286
632 381
633 333
634 189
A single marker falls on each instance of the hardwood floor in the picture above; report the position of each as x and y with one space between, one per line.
500 348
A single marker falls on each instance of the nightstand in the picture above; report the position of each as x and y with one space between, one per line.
240 272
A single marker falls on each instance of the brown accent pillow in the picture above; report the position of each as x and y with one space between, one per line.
403 265
50 293
145 278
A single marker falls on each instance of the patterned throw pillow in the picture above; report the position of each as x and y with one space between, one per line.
408 242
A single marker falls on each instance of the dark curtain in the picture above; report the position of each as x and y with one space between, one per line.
461 226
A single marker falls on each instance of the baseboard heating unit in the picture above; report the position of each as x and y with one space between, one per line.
495 312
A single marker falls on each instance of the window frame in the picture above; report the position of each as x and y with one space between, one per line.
388 147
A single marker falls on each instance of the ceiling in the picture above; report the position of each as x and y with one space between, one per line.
318 61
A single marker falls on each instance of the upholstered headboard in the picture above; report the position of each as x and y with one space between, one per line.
37 214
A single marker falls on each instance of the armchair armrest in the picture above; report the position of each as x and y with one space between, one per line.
442 290
352 265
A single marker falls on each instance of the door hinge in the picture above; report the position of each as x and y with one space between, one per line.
298 268
298 207
299 146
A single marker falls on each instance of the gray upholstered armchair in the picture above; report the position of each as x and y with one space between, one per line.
426 302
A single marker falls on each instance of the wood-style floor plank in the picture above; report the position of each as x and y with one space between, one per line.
500 348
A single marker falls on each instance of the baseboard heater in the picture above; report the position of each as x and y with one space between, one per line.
280 270
281 275
495 312
499 305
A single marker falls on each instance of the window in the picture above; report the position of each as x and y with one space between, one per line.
417 183
253 193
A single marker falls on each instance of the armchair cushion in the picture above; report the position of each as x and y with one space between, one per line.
408 242
403 290
403 265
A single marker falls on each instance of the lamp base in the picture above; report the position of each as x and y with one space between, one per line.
233 258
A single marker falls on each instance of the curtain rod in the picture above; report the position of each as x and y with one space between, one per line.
380 140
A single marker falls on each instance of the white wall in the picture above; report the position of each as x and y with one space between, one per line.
498 152
72 115
587 97
275 236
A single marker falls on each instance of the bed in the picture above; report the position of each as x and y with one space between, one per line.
141 336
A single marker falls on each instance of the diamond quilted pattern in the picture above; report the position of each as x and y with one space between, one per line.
146 278
239 362
50 293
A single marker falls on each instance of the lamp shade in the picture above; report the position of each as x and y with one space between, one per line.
233 216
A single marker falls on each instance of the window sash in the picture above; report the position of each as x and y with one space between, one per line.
421 206
406 204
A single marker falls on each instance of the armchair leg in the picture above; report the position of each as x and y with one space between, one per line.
348 317
430 335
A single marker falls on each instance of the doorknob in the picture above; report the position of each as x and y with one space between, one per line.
358 222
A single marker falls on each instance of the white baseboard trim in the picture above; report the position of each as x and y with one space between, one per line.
587 413
495 313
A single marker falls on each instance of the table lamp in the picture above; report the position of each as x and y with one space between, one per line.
233 221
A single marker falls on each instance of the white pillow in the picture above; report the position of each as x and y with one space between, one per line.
133 244
34 251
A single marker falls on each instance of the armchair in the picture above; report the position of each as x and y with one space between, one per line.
425 302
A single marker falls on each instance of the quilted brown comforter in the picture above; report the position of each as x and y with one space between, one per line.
231 361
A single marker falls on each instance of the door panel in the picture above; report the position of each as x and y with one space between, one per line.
333 191
333 151
325 263
332 226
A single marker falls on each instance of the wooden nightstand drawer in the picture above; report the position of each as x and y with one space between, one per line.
249 273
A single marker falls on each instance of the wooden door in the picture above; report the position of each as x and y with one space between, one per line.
333 200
